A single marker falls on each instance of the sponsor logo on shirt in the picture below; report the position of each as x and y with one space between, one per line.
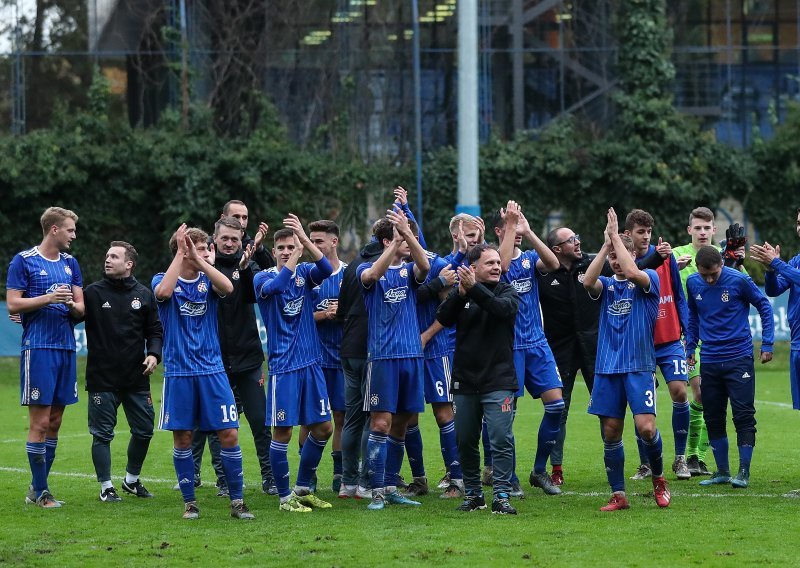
323 305
665 299
620 308
42 272
523 285
395 295
554 283
193 309
294 307
105 305
698 297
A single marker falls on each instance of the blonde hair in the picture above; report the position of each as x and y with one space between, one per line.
55 216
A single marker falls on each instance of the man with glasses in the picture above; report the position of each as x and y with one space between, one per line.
570 324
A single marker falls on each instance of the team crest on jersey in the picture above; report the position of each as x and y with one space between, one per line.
395 295
294 307
373 400
68 270
526 263
202 288
235 275
522 286
136 304
725 296
280 415
193 309
35 394
299 281
631 285
581 277
620 308
404 273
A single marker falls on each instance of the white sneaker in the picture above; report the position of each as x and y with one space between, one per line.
363 493
643 472
347 491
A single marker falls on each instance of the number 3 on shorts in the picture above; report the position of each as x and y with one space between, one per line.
649 402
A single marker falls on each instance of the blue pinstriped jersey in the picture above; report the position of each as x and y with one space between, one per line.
443 342
292 340
627 320
392 331
49 327
528 330
189 317
329 331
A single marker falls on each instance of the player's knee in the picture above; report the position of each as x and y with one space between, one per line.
282 435
647 432
228 437
380 424
443 413
322 431
182 439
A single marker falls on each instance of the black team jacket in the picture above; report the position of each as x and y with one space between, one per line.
484 320
239 340
122 328
351 310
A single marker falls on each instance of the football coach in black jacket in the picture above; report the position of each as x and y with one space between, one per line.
484 381
124 338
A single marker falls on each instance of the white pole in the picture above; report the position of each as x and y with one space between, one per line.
468 201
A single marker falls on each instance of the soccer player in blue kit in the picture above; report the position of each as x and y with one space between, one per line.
719 300
626 361
533 359
395 363
44 286
196 392
325 236
296 394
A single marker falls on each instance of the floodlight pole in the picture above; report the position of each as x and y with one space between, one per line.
468 201
417 106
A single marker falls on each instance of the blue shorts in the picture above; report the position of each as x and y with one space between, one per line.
536 370
48 377
395 385
794 377
671 359
437 379
611 394
334 383
298 397
204 402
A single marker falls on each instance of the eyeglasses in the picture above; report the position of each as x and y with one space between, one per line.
576 238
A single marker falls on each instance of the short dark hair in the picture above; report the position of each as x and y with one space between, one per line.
324 226
475 252
130 253
195 235
703 213
638 217
628 242
230 222
227 206
383 229
281 234
497 219
552 237
707 257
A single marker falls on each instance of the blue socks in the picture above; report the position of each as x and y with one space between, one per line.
745 456
720 449
50 445
680 426
614 458
279 460
548 434
655 454
376 459
643 458
414 451
395 449
447 440
337 462
232 466
310 457
184 468
37 460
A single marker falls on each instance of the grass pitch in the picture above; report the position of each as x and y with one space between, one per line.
703 526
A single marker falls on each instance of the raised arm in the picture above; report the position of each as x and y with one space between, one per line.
401 199
421 263
380 266
628 265
510 216
166 287
547 259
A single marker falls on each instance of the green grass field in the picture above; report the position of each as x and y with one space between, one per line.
717 526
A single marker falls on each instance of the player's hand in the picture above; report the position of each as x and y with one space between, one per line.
400 196
330 311
448 274
690 360
466 277
663 248
212 254
16 318
683 261
298 248
61 295
524 227
612 224
766 357
261 234
293 222
481 229
423 338
765 254
149 363
247 254
400 223
460 240
512 215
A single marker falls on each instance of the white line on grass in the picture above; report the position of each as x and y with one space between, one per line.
575 493
60 437
778 404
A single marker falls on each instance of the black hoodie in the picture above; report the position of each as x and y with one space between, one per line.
122 327
351 309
